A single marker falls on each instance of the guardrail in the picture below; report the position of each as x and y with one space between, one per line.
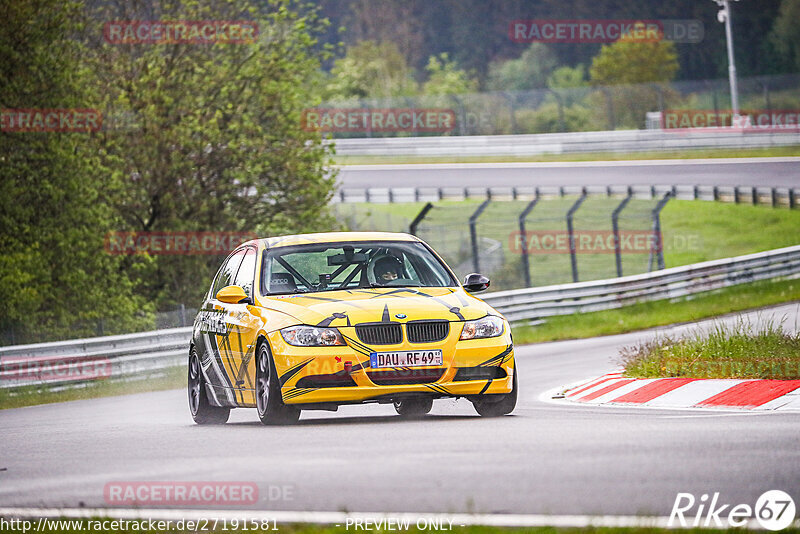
75 361
537 303
564 143
136 356
740 194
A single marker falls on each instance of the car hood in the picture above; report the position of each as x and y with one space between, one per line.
351 307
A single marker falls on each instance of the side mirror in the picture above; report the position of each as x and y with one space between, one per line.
233 295
475 282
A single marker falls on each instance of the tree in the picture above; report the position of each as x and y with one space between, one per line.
529 71
632 76
629 61
445 78
55 279
217 142
372 70
785 37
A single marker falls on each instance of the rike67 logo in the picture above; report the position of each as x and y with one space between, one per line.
774 510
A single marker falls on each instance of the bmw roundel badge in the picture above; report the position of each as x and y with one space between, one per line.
400 315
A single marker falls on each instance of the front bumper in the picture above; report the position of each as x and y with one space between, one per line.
318 375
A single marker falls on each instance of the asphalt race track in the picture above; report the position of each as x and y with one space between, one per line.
549 457
766 172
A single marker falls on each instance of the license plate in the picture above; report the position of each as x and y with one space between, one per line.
405 358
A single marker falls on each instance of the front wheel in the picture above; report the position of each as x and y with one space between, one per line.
413 407
203 412
497 405
270 406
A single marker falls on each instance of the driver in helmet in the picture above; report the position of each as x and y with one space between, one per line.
386 270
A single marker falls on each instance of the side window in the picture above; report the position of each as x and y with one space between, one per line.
227 272
244 277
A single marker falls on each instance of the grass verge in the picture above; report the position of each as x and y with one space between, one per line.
738 351
660 313
33 395
591 156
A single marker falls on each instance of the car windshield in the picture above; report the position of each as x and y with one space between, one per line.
334 266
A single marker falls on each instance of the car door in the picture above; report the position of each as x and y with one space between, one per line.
243 326
214 328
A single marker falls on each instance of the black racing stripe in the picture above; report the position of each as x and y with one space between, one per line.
455 310
488 383
336 315
217 355
363 365
358 346
293 371
500 356
292 393
386 318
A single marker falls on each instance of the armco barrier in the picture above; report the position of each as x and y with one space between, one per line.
535 303
563 143
755 195
137 355
130 356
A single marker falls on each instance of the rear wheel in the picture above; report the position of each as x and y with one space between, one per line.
203 412
270 406
413 407
497 405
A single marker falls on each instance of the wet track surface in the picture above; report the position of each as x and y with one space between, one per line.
548 457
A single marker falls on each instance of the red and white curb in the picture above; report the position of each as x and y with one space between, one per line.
758 395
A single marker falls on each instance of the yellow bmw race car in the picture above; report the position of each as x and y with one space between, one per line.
315 321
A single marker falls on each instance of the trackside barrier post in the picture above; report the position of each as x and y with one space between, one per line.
571 234
526 268
658 243
473 233
412 228
615 229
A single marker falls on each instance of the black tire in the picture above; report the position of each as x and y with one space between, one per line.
202 411
413 406
270 406
497 405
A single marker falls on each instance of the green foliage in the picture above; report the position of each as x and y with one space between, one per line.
529 71
371 70
52 269
629 61
196 138
738 351
784 37
445 78
217 143
633 75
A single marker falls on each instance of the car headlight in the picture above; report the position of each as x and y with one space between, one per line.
312 336
489 326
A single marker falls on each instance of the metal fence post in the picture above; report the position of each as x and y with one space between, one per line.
615 229
526 268
182 311
571 234
658 242
412 228
473 233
